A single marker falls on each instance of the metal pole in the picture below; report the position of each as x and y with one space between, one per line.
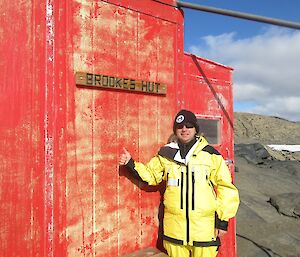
247 16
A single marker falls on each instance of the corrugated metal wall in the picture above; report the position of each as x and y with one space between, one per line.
62 193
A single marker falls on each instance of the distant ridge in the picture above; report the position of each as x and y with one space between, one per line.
255 128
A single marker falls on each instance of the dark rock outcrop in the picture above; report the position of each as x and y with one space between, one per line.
268 220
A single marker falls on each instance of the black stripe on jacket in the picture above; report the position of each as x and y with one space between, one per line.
195 243
168 152
210 150
130 165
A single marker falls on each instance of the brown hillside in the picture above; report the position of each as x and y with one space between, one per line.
250 128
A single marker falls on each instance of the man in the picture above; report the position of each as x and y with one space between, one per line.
199 198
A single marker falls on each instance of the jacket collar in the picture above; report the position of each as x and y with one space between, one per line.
194 150
172 151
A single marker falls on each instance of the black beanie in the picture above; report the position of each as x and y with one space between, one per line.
183 117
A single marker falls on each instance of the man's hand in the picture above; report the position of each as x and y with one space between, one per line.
124 157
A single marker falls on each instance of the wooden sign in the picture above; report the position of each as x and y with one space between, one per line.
111 82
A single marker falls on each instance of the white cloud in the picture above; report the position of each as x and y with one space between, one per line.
266 68
249 92
287 107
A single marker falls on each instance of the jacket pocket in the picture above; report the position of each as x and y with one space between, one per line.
211 187
203 195
174 186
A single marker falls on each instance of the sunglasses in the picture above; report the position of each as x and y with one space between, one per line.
187 125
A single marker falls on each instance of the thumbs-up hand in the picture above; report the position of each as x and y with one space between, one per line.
124 157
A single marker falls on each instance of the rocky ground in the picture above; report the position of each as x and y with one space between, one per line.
268 220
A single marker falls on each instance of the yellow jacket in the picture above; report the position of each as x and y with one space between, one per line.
199 194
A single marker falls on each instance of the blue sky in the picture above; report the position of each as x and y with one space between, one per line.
265 58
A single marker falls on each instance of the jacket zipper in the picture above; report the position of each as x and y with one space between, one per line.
187 206
193 190
181 191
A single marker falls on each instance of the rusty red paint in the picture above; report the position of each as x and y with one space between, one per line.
49 127
62 191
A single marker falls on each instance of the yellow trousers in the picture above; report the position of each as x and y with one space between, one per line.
175 250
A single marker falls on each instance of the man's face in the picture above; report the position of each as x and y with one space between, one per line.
185 132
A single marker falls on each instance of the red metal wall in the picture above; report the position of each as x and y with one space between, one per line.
207 91
62 193
22 133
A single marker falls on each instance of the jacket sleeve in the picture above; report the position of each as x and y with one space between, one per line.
151 172
227 193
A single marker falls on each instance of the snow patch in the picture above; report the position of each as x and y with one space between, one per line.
290 148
